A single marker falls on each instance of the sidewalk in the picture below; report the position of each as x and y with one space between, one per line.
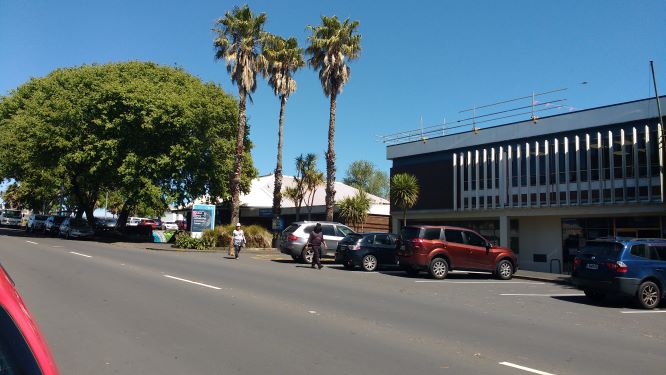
543 276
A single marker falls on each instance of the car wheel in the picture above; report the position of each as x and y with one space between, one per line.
504 270
369 263
306 255
438 268
648 295
594 295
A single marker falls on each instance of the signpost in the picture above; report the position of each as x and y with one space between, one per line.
203 217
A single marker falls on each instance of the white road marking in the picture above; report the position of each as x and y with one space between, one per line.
534 371
192 282
57 246
543 295
478 282
643 312
34 243
312 312
83 255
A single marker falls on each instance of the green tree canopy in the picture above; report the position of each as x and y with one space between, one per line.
404 192
355 209
155 134
362 174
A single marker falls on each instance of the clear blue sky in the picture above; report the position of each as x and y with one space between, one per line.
419 58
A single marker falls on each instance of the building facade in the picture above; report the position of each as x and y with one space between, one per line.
545 187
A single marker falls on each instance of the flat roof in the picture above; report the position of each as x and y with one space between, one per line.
588 118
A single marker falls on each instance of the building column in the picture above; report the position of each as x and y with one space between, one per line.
504 230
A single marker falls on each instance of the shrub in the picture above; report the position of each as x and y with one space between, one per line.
184 240
255 235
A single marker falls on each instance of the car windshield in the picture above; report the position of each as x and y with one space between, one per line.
607 250
13 214
410 233
58 219
78 223
41 217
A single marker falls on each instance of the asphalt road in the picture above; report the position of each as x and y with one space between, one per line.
112 309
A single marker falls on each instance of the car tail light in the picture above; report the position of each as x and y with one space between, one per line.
577 262
618 266
292 237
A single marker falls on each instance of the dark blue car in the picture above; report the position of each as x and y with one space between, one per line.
367 250
624 267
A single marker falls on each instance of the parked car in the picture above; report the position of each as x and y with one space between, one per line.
440 249
134 221
78 228
294 238
622 267
52 224
182 224
150 223
105 224
367 250
23 349
10 218
169 225
36 223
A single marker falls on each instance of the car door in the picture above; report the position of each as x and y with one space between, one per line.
479 255
658 262
456 248
331 237
385 248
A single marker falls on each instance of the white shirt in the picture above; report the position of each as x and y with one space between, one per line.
239 237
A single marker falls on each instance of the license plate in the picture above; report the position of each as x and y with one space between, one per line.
592 266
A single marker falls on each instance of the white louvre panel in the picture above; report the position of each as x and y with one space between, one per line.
519 179
624 166
485 190
492 175
648 154
477 178
637 172
611 163
589 168
455 182
538 174
556 155
566 170
546 153
528 174
577 146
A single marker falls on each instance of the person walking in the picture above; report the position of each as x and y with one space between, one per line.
238 239
316 240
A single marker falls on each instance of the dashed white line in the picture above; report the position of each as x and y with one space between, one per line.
79 254
643 312
478 282
34 243
57 246
543 295
193 282
519 367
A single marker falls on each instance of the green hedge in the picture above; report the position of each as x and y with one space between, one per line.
255 235
184 240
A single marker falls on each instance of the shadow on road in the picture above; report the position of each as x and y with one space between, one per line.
612 302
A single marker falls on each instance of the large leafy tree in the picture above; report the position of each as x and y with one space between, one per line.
332 45
282 58
362 174
238 42
404 192
153 134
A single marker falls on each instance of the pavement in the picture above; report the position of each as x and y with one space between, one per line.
520 274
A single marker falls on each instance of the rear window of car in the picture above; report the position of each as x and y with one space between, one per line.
15 355
291 229
609 250
410 233
431 233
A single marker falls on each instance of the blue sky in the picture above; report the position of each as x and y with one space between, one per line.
420 59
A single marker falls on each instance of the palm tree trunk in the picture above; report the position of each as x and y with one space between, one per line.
238 162
277 189
404 218
330 161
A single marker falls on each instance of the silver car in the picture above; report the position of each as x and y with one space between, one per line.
294 238
75 228
36 223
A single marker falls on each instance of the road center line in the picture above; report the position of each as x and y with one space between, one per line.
543 295
79 254
478 282
643 312
192 282
534 371
34 243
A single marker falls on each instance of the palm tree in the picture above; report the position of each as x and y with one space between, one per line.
282 58
238 39
355 209
332 45
404 192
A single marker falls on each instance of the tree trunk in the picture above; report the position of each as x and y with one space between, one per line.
277 190
330 161
238 162
404 217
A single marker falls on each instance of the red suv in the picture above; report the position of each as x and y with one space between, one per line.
440 249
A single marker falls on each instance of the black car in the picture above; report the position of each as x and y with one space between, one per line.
367 250
52 224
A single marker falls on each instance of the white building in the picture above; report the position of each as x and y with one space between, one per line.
545 187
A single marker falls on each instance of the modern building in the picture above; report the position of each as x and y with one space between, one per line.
545 186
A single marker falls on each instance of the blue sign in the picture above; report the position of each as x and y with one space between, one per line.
203 217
